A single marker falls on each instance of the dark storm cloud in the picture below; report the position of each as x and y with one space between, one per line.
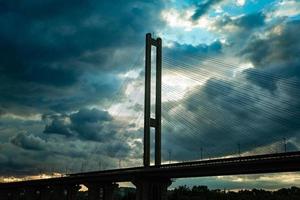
203 7
238 30
256 111
91 125
29 142
244 23
276 58
250 21
87 124
14 162
182 49
58 126
117 149
92 136
282 45
1 112
58 58
51 47
221 115
91 116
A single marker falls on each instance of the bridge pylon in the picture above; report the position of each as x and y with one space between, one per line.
148 121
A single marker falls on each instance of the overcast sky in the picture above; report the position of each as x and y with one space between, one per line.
72 81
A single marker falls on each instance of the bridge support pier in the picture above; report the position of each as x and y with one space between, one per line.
3 195
14 195
72 191
8 195
151 189
30 194
57 192
62 192
45 193
101 191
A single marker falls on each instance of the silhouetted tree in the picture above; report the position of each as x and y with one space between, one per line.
203 193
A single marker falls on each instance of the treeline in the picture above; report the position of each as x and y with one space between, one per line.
203 193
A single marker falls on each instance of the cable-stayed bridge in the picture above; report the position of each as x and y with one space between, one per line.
152 181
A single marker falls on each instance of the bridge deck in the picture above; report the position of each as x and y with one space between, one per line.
268 163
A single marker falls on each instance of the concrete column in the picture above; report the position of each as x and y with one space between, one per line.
4 195
158 102
45 193
147 104
152 189
58 192
9 195
31 194
101 191
14 194
93 191
108 190
72 191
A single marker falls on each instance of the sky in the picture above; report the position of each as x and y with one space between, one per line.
72 84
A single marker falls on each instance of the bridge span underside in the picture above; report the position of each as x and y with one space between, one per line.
151 182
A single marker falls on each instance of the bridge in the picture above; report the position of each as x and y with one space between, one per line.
151 181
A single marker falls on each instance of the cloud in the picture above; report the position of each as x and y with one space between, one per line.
280 45
203 7
91 116
220 115
87 124
90 124
240 2
276 55
88 139
255 108
29 142
58 126
239 26
250 21
286 8
61 57
186 49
